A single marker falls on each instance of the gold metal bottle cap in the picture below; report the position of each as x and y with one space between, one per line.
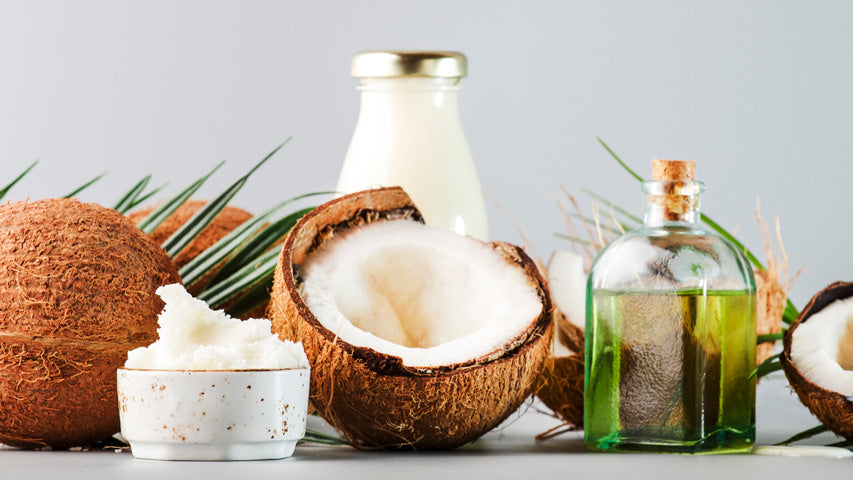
374 64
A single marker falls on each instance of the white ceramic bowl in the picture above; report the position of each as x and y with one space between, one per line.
213 415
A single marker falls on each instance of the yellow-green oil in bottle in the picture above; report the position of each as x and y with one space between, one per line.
670 371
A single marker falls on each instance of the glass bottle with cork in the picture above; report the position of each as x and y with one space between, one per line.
409 134
670 331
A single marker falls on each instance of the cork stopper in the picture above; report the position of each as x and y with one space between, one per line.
672 170
674 201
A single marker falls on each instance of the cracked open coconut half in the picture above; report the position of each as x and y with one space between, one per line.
818 357
417 337
561 384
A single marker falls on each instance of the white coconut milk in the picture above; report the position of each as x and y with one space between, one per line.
409 134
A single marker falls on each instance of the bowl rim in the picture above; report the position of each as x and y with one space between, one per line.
236 370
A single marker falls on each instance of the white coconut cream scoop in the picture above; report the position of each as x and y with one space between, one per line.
212 387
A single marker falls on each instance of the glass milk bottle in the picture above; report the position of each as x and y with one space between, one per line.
409 134
670 332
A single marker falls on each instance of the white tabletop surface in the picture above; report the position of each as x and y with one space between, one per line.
508 452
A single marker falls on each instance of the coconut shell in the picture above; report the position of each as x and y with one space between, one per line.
831 408
561 388
373 398
77 288
561 383
569 334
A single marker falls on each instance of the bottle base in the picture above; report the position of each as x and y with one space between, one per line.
718 442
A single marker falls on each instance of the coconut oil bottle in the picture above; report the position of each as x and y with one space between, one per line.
670 331
409 134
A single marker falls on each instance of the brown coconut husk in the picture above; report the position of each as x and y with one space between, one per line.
77 288
770 300
561 390
560 386
771 287
372 398
831 408
568 334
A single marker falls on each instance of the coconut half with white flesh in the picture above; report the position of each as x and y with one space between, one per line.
567 284
817 357
561 384
417 337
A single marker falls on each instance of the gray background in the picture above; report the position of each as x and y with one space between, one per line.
758 92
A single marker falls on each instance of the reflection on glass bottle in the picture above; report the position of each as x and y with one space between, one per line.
670 334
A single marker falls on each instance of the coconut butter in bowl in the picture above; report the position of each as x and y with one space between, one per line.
212 387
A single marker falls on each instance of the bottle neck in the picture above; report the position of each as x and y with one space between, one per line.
410 97
672 203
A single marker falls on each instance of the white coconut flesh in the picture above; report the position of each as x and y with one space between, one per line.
425 295
567 283
822 347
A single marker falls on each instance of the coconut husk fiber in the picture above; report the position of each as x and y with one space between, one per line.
561 383
77 288
374 399
561 388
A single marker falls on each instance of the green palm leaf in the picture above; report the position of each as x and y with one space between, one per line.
5 190
161 213
198 222
86 185
242 280
225 247
124 203
259 244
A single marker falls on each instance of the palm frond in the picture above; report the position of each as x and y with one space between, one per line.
202 218
161 213
5 190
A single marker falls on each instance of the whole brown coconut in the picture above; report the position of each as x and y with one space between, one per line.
373 398
77 288
833 409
